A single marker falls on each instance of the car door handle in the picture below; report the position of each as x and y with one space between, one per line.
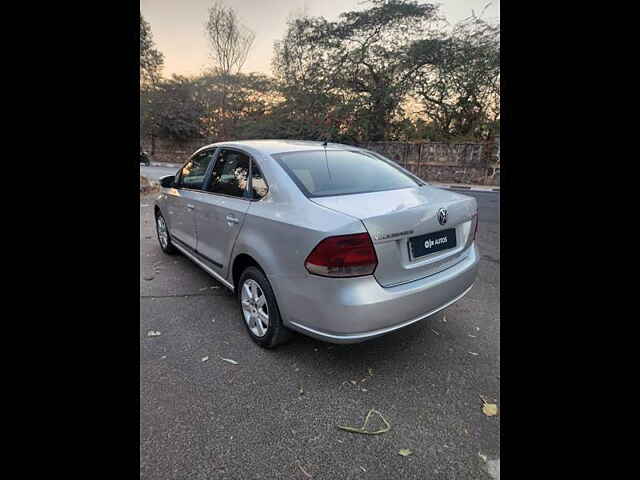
190 207
232 219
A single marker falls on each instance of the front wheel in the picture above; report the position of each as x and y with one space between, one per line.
260 310
163 235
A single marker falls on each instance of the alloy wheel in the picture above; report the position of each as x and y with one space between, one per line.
163 235
254 307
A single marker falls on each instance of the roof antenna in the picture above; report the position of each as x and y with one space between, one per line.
326 160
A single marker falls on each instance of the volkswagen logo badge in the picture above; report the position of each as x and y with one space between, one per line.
442 216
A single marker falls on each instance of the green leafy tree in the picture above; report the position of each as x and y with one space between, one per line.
305 83
389 72
459 87
231 102
356 67
151 60
174 110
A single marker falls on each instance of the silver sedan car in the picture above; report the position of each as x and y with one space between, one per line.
333 241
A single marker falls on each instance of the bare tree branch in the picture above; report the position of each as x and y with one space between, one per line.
229 40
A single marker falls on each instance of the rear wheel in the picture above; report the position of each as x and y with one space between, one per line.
163 235
260 310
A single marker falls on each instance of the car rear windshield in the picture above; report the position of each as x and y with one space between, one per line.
321 173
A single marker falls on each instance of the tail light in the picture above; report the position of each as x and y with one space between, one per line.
343 256
475 229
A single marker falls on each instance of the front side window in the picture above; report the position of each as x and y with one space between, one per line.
192 174
321 173
230 174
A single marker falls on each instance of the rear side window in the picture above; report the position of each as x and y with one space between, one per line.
340 172
230 174
258 184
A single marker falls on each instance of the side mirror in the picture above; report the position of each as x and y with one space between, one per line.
167 181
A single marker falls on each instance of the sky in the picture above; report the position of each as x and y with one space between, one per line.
178 26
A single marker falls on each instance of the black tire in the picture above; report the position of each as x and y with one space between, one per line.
169 249
276 333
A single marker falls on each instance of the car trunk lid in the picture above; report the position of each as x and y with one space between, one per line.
409 239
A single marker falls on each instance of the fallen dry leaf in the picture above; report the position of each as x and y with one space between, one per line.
489 409
228 360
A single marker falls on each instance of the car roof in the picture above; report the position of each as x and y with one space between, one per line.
271 147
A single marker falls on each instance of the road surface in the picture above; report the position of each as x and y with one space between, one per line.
275 413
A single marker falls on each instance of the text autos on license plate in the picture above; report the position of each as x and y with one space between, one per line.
432 242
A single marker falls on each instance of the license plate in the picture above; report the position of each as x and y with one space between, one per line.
432 242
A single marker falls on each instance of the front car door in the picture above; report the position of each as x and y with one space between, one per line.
183 198
220 216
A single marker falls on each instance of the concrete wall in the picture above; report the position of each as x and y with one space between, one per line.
470 163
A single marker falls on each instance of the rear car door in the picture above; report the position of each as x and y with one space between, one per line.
182 199
220 215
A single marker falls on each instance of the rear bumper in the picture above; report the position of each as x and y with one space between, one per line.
352 310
